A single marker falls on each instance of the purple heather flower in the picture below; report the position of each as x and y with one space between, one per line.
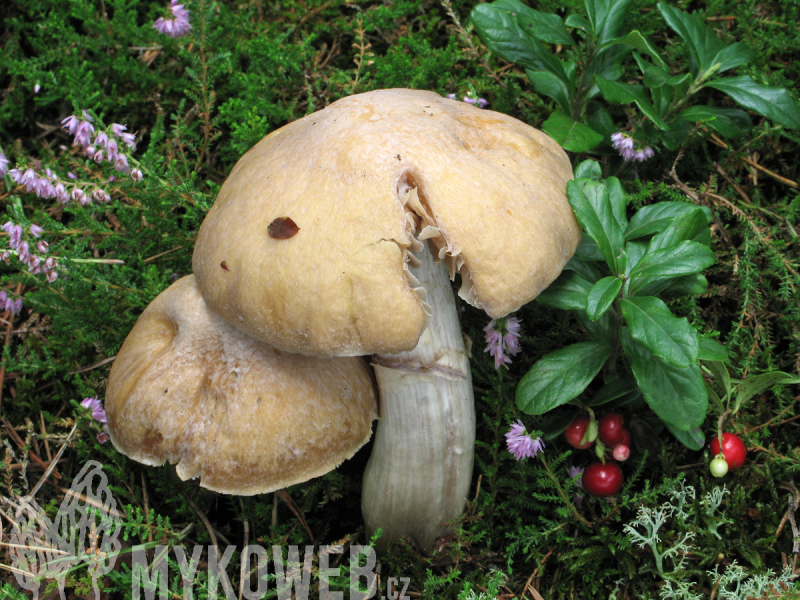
43 246
70 124
136 175
521 444
61 193
36 88
502 340
129 140
100 139
36 231
23 252
480 102
111 149
15 236
94 405
3 165
121 164
628 150
83 133
28 178
179 25
101 196
9 305
98 414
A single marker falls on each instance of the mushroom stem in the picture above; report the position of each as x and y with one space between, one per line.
420 470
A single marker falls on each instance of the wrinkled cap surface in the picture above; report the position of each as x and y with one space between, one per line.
246 418
360 182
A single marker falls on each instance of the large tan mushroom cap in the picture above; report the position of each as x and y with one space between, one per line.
246 418
490 195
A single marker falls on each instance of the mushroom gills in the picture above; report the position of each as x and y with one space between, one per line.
421 227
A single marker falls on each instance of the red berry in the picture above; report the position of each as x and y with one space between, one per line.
602 480
626 438
621 452
732 449
610 429
575 432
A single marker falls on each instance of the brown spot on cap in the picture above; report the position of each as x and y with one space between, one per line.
282 228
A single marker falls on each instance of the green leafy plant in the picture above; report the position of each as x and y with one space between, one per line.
594 70
612 284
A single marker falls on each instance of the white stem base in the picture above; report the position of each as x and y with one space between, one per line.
420 470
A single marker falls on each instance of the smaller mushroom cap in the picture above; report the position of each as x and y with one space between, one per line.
246 418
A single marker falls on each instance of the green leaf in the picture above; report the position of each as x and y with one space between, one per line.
692 439
547 27
560 376
579 22
676 394
636 40
572 135
652 324
601 331
702 42
602 296
588 250
607 64
774 103
711 350
657 217
634 251
688 285
619 388
600 120
617 92
592 207
753 386
585 269
684 259
714 399
654 77
549 84
691 225
730 122
499 29
733 56
589 169
619 200
720 373
607 17
568 292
